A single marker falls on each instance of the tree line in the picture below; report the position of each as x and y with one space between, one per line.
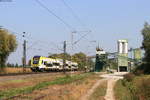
82 59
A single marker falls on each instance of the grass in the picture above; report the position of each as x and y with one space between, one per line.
121 92
17 81
100 92
13 81
136 88
8 70
59 81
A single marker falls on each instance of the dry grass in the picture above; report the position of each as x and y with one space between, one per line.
25 82
136 88
70 91
8 70
121 92
100 92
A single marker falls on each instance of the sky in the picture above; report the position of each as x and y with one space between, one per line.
108 21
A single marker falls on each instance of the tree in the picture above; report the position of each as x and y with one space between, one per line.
8 44
146 46
8 64
146 42
81 59
60 56
145 66
16 65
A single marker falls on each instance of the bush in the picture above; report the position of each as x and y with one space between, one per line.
130 86
139 72
144 89
142 69
129 77
139 87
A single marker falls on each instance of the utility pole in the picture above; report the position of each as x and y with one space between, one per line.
72 44
64 59
24 53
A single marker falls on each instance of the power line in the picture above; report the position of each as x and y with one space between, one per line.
83 36
73 13
59 18
52 13
24 53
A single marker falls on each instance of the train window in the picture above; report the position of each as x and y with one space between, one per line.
49 65
45 63
67 65
56 64
35 62
74 66
36 58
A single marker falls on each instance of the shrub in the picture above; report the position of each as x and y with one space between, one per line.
144 89
142 69
139 72
129 77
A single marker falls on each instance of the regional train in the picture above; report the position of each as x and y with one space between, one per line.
41 64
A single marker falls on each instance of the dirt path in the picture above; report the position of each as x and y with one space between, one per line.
110 93
89 93
111 80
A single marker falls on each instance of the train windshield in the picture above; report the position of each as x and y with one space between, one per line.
36 59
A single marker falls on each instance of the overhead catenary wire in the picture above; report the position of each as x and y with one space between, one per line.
52 13
73 13
59 18
76 17
38 42
83 36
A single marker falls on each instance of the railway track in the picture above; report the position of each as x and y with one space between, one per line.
28 73
15 74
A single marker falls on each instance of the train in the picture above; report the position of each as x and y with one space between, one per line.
42 64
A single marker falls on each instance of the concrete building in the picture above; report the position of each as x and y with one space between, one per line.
122 55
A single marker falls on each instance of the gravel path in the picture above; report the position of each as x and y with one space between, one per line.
111 80
109 93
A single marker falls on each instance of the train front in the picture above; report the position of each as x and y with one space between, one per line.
35 63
